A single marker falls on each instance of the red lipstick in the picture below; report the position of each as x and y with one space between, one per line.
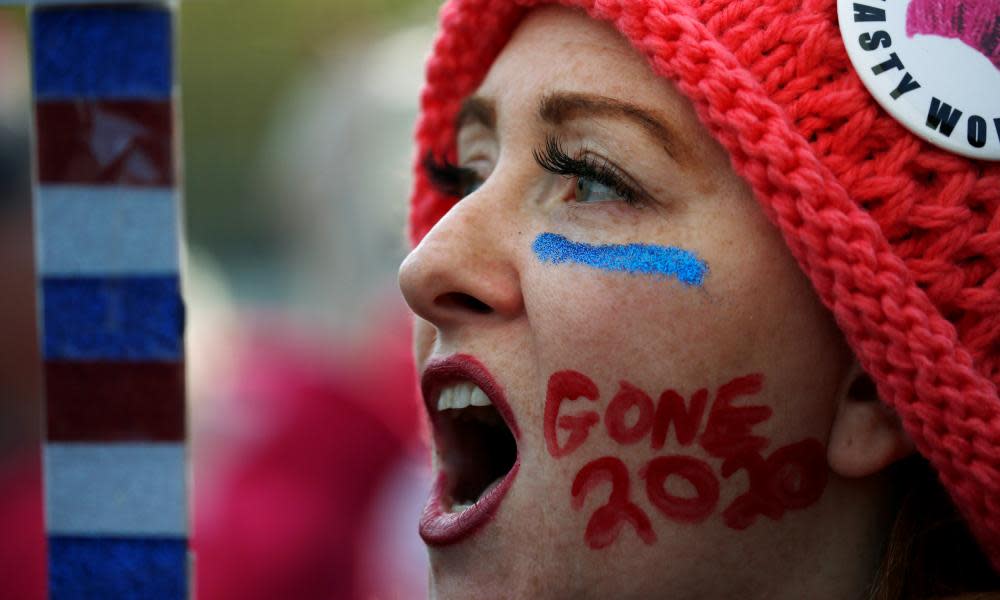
438 526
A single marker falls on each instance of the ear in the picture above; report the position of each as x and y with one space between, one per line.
866 436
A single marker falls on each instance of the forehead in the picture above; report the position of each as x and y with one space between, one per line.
562 50
563 42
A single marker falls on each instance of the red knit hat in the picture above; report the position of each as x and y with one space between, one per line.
900 239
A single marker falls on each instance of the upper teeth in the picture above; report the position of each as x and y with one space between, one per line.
461 395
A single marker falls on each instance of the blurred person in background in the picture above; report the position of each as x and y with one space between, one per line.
309 448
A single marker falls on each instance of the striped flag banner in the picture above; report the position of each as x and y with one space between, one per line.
107 212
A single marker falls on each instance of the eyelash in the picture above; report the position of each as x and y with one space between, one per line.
452 180
555 160
448 178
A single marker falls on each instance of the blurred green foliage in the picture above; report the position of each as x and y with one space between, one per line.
237 59
15 14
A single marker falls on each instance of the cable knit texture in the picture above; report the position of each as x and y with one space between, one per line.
900 239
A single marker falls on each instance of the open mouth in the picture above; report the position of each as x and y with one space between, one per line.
476 441
475 446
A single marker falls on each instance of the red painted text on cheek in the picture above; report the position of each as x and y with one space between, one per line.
566 386
607 521
792 477
696 472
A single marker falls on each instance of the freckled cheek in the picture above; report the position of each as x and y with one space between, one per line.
617 324
552 480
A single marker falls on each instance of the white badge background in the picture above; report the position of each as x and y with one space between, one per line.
946 68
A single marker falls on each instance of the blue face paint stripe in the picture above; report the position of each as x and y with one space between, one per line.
643 259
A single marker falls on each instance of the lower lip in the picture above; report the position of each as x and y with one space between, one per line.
438 527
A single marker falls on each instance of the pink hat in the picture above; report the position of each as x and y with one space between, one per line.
900 239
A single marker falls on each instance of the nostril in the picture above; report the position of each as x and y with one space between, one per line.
462 301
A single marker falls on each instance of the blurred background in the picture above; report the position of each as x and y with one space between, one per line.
308 450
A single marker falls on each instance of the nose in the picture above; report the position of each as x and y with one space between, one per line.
464 270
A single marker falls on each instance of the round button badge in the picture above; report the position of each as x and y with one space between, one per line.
934 65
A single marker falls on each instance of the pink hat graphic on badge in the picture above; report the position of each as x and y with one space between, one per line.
974 22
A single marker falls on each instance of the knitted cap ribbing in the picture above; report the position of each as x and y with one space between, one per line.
901 240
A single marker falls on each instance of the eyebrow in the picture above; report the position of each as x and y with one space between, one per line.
476 109
559 107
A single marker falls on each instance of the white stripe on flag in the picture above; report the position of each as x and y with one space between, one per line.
115 489
107 230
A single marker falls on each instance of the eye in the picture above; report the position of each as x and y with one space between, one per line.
595 179
450 179
472 183
591 190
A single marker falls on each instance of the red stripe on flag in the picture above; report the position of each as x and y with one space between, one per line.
114 401
105 142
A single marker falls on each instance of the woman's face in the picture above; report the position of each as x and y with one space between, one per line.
618 296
